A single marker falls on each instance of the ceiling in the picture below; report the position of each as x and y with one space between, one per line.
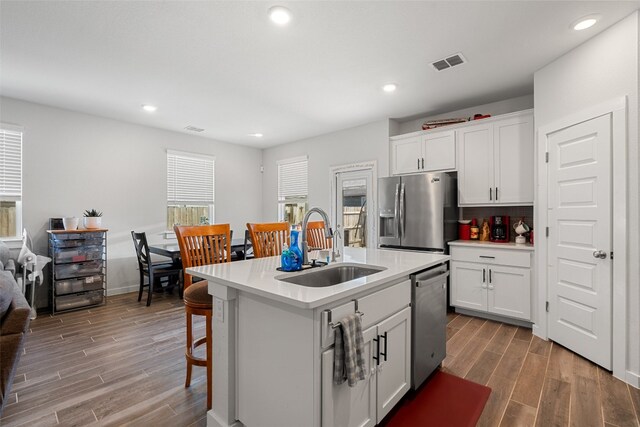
225 67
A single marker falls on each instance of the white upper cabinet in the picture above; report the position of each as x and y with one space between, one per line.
423 152
496 162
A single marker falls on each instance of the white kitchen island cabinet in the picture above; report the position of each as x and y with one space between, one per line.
273 341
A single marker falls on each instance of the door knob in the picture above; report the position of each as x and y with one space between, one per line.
600 254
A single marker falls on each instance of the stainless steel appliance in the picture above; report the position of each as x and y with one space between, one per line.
429 322
417 211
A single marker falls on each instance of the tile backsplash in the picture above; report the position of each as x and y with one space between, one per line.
514 213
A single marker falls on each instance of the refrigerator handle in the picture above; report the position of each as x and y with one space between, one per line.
396 205
401 202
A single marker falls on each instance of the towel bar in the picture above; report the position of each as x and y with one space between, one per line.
335 325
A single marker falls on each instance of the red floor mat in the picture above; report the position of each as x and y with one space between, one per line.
445 400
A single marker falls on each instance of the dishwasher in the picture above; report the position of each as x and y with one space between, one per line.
429 322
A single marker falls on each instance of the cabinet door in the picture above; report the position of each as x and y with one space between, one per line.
513 156
475 165
406 155
469 285
394 372
440 151
344 406
510 291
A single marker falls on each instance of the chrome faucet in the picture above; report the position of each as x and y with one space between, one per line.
327 231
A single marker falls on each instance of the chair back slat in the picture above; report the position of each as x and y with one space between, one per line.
315 236
142 249
203 245
268 238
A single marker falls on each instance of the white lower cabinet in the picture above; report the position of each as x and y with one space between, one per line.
504 290
387 352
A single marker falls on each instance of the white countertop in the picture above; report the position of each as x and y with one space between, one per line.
257 276
493 245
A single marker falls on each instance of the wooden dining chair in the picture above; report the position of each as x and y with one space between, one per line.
154 270
201 245
267 238
315 236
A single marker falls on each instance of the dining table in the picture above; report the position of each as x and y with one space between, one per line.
172 249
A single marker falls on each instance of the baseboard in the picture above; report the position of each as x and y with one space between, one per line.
537 331
122 290
494 317
633 379
214 421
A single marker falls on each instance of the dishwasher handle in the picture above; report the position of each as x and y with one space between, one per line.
438 278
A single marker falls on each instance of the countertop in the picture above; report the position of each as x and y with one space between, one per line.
492 245
258 276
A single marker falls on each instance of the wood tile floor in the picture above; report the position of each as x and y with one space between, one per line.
119 364
123 364
535 382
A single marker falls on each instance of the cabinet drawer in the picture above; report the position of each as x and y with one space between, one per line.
90 283
65 271
384 303
515 258
78 254
68 302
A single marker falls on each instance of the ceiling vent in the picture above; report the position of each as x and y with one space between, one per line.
194 129
449 62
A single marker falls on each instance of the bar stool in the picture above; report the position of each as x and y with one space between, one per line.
201 245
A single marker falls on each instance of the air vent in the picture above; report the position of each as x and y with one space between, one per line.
194 129
449 62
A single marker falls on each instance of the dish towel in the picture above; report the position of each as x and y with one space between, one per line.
348 361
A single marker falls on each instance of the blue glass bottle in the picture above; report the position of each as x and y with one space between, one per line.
295 250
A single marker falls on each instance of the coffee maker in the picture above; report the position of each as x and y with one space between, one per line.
499 228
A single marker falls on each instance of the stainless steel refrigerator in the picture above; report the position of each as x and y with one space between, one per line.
417 211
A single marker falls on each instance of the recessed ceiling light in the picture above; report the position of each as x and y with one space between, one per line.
390 87
585 22
149 108
256 135
280 15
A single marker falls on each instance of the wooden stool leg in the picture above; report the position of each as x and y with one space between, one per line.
189 349
209 361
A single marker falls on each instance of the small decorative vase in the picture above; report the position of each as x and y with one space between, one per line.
92 222
70 223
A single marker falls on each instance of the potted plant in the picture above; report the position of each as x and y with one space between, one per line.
92 219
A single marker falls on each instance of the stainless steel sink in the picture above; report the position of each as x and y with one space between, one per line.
329 276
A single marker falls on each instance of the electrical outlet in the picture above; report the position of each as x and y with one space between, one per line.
218 310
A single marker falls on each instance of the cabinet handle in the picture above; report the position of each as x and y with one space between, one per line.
496 193
423 163
490 193
491 287
486 256
484 275
418 159
385 347
377 356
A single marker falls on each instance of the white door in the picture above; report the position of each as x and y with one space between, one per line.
406 155
469 285
440 151
344 406
354 218
513 145
394 371
580 239
475 165
509 291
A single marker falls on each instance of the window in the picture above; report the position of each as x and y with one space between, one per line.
10 181
292 189
190 189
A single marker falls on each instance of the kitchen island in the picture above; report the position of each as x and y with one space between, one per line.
272 340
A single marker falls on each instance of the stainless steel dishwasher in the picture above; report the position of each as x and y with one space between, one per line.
429 322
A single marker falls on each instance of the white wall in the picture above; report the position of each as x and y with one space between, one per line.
495 108
362 143
603 68
74 161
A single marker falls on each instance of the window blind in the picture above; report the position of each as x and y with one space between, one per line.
292 179
10 164
190 178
